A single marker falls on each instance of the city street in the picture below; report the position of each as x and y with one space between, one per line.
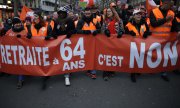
150 91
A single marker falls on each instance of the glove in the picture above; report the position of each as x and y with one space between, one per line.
68 34
29 36
2 32
18 36
107 33
55 37
87 32
132 33
47 37
119 35
146 34
95 33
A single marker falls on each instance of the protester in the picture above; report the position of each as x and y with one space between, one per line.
39 28
89 25
18 31
113 28
161 23
176 28
7 25
65 26
137 27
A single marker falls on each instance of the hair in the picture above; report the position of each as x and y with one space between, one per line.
87 9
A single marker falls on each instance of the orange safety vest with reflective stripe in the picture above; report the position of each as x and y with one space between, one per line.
41 32
162 30
91 26
131 27
51 24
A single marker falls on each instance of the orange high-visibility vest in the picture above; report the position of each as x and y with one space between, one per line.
91 26
51 24
162 30
131 27
41 32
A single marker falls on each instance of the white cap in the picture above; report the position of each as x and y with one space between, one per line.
62 9
136 11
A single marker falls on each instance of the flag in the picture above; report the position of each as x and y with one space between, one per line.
24 11
83 4
89 2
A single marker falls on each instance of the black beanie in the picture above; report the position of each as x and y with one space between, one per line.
16 20
28 19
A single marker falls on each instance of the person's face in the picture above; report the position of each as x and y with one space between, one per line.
55 16
18 25
71 14
28 22
87 14
119 3
137 17
109 13
62 15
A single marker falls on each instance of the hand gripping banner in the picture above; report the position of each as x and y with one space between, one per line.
39 57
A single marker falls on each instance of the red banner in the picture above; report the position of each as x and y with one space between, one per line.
38 57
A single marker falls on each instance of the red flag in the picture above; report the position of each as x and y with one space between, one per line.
89 2
24 11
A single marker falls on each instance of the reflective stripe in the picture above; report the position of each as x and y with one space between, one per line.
168 26
161 32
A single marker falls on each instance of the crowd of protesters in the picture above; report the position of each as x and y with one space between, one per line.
113 21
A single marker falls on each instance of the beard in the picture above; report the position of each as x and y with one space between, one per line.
88 19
